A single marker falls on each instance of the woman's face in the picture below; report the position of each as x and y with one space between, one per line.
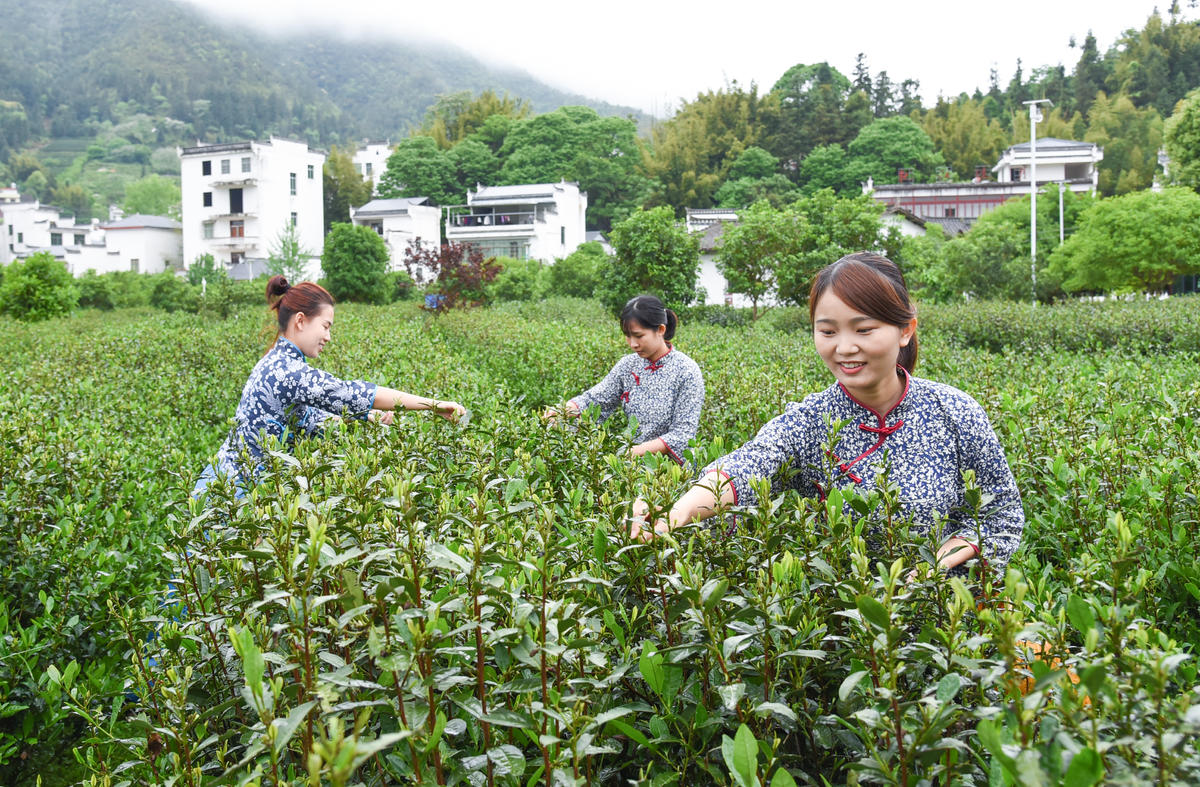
861 351
646 342
310 334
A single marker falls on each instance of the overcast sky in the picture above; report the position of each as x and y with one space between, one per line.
651 54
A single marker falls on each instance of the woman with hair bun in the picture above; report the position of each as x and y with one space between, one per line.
656 384
865 330
284 396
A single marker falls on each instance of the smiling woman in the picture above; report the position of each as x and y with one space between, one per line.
285 396
922 435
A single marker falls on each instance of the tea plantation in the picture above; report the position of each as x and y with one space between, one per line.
460 604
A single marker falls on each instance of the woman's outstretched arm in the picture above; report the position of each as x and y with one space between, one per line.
712 492
392 399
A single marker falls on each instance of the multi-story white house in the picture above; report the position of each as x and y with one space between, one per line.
238 197
540 221
371 161
399 221
710 224
1062 161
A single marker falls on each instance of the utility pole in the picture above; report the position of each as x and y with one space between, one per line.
1035 115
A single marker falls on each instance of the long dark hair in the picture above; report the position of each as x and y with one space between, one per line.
874 285
304 298
649 312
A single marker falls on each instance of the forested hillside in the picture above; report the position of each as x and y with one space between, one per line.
70 66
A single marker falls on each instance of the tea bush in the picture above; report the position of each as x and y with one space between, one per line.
440 604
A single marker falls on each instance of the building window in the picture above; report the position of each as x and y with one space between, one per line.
293 218
20 237
237 229
310 171
378 227
562 235
208 230
950 212
55 238
245 164
79 239
292 182
236 257
1015 175
10 230
368 169
205 167
224 166
208 199
133 266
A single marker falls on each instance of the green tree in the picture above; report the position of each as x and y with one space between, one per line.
518 280
37 289
654 254
576 144
418 168
73 198
828 167
1182 136
578 274
818 106
753 250
344 187
755 176
287 256
1131 139
36 185
1089 76
474 164
153 195
962 132
457 116
886 146
832 228
355 264
205 268
690 155
1135 242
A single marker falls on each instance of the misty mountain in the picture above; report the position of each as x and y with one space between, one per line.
75 65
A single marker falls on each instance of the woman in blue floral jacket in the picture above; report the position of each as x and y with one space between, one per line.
864 328
656 384
284 396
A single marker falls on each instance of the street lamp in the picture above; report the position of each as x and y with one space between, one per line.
1035 115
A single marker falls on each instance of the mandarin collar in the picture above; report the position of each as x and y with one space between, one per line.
882 417
288 347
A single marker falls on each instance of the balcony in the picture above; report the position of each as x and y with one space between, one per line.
234 242
490 219
234 183
233 216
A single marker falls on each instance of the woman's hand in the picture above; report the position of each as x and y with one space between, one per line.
552 414
953 553
451 411
385 417
639 528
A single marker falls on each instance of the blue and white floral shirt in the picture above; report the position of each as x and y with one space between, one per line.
665 396
285 396
928 439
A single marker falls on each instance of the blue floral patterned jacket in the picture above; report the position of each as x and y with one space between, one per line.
665 396
928 439
284 396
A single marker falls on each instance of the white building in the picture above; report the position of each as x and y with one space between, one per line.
371 161
145 244
238 197
710 223
540 221
400 221
1062 161
137 243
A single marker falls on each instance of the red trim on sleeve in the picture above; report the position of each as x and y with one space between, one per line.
674 455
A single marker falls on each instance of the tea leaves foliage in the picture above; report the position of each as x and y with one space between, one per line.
431 604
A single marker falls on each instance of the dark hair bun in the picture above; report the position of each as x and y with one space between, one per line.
672 322
277 287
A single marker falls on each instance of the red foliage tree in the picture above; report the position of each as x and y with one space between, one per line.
459 269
